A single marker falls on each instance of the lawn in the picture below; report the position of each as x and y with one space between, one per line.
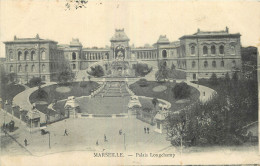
167 94
55 93
12 90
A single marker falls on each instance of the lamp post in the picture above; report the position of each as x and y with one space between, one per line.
49 139
124 141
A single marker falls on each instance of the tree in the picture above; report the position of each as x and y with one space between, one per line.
142 69
35 81
181 90
227 77
163 73
155 101
173 67
213 79
11 77
66 75
143 82
89 77
96 71
235 77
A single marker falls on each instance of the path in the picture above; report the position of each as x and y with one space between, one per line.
22 99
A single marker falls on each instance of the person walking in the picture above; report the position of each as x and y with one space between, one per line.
105 138
144 129
25 142
148 130
97 143
65 132
120 132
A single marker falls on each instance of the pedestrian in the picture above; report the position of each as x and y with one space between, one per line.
65 132
148 130
25 142
105 138
144 129
97 142
120 132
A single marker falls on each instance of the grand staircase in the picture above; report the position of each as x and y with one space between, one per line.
114 89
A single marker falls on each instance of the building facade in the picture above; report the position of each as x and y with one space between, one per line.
199 55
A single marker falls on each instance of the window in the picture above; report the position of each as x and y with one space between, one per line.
26 55
222 63
20 56
213 50
11 68
233 52
33 68
26 68
43 67
205 64
20 68
74 66
192 50
11 55
205 50
214 64
43 55
164 54
221 49
193 64
33 56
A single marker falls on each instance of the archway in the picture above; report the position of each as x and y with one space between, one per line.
164 54
120 53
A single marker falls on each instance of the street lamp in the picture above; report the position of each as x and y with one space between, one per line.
124 141
49 139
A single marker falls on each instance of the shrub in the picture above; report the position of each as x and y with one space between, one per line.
35 81
42 94
142 69
96 71
181 90
213 79
83 84
143 82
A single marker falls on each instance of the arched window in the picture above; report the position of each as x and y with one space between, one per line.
33 68
205 64
214 64
233 52
43 67
164 54
221 49
213 50
193 64
73 56
20 68
73 66
233 63
205 50
33 56
11 68
43 55
11 55
20 56
222 64
26 68
26 55
192 50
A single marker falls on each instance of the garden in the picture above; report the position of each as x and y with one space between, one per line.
46 95
164 90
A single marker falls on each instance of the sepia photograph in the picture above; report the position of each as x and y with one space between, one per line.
126 82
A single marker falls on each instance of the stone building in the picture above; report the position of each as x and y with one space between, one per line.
199 55
33 57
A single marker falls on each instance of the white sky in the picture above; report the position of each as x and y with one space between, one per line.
143 21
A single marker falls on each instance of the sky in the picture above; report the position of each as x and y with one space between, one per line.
144 21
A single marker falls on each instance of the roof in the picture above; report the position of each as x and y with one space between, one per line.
163 40
75 42
119 36
202 34
28 40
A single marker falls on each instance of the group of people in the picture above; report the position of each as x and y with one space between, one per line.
105 139
146 130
